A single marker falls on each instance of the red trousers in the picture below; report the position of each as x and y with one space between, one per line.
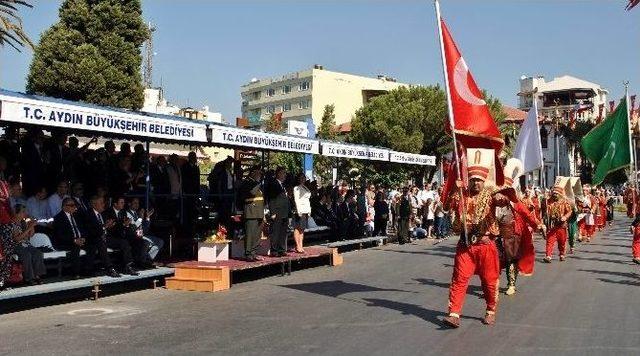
558 234
582 227
481 259
635 246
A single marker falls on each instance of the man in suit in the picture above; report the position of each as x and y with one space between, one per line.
250 193
279 209
117 225
33 162
404 217
57 153
96 233
68 235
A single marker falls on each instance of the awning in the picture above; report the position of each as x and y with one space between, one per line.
412 158
238 137
50 113
345 150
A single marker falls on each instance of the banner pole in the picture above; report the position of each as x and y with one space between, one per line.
632 148
451 118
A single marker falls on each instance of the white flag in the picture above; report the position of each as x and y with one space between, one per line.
528 147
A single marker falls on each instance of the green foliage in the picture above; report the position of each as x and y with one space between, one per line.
92 54
291 161
405 119
509 131
323 165
11 31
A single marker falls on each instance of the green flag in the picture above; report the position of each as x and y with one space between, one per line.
607 145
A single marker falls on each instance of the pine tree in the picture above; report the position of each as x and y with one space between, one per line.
323 165
92 54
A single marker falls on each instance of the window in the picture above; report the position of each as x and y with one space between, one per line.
286 89
303 86
256 95
304 104
271 109
271 92
286 107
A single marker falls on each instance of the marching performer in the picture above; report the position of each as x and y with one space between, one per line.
516 221
635 246
559 211
589 221
629 198
476 252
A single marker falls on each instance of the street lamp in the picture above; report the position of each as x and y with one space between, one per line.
556 132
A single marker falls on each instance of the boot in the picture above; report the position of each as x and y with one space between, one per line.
511 290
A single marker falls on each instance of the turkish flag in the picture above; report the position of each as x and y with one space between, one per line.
474 125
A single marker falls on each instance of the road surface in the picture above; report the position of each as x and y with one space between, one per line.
385 300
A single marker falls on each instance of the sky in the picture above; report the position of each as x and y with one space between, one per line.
206 50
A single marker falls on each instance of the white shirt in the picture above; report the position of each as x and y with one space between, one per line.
38 209
302 196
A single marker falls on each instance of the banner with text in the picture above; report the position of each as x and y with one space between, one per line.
235 136
50 114
354 151
412 158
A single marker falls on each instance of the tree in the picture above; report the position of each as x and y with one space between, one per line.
11 31
291 161
508 130
323 165
405 119
92 54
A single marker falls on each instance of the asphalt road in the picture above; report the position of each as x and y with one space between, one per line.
386 300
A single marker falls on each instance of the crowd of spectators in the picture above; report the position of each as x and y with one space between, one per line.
56 195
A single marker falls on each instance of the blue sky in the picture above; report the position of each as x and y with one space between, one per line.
207 49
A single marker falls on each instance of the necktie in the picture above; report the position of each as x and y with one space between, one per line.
76 232
100 218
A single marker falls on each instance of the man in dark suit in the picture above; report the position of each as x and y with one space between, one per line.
68 235
191 188
33 162
404 217
57 153
117 225
250 193
96 229
347 217
279 208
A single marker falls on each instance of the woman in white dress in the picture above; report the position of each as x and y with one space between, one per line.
301 196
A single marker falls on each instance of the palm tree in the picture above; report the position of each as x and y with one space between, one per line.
11 31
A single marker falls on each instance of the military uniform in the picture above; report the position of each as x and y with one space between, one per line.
251 193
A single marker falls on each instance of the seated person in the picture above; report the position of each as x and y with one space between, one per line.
55 200
96 232
38 207
67 235
141 221
120 235
19 230
416 229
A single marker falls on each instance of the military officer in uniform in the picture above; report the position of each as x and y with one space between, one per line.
253 200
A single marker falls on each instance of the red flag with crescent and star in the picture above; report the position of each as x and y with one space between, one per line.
474 125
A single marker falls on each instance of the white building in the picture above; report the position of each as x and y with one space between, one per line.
304 94
560 101
155 102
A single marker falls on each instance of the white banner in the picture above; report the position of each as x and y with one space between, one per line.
48 114
235 136
354 151
412 158
297 128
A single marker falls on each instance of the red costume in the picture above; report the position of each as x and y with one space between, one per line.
526 222
479 257
602 211
559 212
628 200
635 246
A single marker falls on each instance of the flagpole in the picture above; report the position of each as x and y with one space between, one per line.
632 148
451 118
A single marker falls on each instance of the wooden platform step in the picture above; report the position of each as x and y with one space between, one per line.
199 278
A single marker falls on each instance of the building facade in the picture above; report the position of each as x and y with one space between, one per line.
304 94
564 100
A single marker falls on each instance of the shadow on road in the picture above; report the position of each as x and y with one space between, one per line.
471 290
623 282
337 288
612 273
599 259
